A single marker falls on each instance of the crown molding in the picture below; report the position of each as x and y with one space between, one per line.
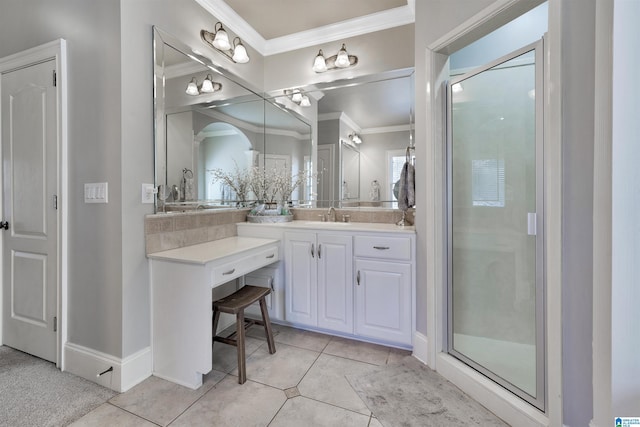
378 21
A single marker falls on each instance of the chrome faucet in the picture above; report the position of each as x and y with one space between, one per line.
331 214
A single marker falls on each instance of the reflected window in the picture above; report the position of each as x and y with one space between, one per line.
487 182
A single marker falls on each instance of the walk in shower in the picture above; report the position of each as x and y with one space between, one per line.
495 230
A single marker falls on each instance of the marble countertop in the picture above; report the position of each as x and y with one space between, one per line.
203 253
337 226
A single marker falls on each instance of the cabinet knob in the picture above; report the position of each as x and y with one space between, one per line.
320 251
313 251
358 278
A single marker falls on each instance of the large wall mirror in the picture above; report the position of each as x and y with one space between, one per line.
353 158
365 126
227 129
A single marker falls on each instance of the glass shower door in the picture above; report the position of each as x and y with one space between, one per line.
496 322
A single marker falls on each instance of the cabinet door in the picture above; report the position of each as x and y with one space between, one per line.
383 300
335 289
301 280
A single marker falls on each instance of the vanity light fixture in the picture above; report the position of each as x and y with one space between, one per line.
207 86
219 40
355 138
336 62
298 96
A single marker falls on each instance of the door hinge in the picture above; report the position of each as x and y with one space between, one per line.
55 323
55 79
55 201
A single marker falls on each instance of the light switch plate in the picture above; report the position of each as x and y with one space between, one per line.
96 192
148 193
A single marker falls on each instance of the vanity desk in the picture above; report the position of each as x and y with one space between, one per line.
181 284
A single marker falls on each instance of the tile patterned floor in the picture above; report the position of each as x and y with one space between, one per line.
303 383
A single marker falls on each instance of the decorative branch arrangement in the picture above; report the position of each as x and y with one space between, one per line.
268 186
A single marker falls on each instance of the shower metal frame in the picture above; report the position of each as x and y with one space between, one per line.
540 399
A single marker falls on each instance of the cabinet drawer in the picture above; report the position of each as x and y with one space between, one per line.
245 264
383 247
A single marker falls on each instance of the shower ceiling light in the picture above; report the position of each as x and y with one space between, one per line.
336 62
219 40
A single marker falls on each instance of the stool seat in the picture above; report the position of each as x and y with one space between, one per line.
235 304
241 299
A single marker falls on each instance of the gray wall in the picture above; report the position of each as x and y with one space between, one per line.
92 31
110 139
378 52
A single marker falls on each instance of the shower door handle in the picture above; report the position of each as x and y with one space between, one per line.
532 224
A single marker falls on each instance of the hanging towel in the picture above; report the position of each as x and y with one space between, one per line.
407 190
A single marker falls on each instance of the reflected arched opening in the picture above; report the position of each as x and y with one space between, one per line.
224 147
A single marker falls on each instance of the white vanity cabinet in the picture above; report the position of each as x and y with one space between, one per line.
318 280
384 291
355 280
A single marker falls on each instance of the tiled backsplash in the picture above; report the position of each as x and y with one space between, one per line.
175 230
169 231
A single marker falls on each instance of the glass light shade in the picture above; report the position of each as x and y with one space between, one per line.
207 85
192 87
240 54
296 97
305 101
319 64
342 61
221 40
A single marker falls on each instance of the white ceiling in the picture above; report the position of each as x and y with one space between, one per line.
276 26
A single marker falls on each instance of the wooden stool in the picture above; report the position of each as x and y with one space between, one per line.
235 304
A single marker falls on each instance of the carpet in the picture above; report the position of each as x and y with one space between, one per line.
408 394
33 392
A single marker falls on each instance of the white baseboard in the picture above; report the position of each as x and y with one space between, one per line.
420 347
88 363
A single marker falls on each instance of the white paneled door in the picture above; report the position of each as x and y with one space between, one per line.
29 209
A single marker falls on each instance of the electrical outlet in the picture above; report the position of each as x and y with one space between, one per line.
148 193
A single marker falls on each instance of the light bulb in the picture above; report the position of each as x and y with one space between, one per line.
319 64
207 85
342 61
457 88
221 40
240 53
305 101
297 96
192 87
